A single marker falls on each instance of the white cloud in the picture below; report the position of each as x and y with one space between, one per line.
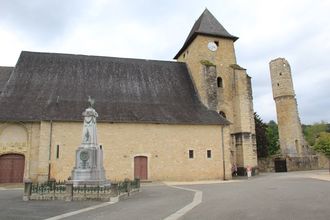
297 30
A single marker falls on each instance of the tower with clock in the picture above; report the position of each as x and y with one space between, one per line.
222 85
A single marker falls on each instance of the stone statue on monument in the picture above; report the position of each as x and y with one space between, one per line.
88 168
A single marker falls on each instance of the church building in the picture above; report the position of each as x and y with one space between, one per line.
182 120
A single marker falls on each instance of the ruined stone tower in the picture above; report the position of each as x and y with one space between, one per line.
222 85
292 142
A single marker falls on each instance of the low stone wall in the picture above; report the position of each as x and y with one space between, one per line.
266 165
323 161
292 163
68 192
302 163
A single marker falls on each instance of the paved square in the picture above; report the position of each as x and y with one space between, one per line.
295 195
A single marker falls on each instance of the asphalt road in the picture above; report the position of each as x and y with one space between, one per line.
268 196
275 196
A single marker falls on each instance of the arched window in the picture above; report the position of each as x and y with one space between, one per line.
219 82
222 114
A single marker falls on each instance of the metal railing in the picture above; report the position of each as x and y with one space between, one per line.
53 190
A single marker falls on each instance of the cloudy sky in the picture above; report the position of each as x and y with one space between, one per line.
298 30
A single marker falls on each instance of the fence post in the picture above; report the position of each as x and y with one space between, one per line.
27 189
68 191
114 190
138 183
128 187
52 183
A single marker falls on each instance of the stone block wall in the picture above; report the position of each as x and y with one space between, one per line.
302 163
166 147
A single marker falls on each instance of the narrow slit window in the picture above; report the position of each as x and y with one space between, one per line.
219 82
209 153
191 154
57 151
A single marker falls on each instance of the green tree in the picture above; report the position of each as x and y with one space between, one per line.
322 145
273 138
261 137
311 132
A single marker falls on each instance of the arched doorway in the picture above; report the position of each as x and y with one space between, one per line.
141 167
11 168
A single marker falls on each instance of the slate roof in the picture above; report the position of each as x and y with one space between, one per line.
207 25
5 72
50 86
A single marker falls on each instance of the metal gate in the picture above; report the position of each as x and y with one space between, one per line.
11 168
280 165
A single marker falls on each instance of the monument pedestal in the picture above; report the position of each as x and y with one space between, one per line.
88 168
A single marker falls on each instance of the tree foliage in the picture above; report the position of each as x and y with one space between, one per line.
322 144
273 138
311 132
261 136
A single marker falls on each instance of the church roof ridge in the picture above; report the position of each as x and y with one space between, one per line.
208 25
97 56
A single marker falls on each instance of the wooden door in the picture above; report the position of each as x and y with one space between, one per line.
11 168
141 167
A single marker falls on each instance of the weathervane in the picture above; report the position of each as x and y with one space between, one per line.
91 102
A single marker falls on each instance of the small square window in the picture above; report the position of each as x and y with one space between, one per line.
209 153
216 43
191 154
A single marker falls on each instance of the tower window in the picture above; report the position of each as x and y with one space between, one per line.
209 153
57 151
278 84
280 74
191 154
219 82
222 114
184 55
216 43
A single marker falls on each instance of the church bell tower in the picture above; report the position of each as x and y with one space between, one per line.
222 85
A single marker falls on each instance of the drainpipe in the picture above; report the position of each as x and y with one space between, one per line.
50 147
223 154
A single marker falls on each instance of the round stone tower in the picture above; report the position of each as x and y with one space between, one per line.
290 132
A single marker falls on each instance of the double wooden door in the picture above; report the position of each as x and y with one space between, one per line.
11 168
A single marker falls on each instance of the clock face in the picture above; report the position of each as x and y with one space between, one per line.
212 46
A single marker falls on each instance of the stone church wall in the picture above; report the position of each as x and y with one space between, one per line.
166 147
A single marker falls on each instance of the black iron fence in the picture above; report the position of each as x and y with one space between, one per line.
53 190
